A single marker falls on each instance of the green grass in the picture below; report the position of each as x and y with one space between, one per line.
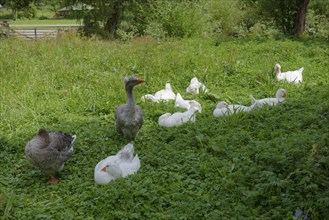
264 165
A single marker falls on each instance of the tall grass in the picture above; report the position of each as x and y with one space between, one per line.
264 165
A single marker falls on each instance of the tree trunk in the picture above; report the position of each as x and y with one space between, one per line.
113 22
283 16
301 16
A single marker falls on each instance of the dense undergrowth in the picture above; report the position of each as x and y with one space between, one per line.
263 165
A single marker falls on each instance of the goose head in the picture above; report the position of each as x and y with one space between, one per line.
132 81
195 106
280 93
277 68
113 170
194 88
221 105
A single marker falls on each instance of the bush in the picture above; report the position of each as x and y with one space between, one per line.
43 17
186 18
30 12
172 19
226 17
263 29
155 30
125 35
317 24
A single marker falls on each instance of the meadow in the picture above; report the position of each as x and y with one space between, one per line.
266 164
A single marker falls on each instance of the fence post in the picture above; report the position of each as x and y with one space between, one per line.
35 33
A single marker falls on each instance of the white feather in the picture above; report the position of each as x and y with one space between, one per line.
289 76
122 164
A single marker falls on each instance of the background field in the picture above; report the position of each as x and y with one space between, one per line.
264 165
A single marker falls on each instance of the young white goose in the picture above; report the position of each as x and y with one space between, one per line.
122 164
279 97
289 76
129 117
164 94
49 151
223 109
195 86
150 97
180 102
178 118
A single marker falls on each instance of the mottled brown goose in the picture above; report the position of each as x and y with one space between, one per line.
129 116
49 151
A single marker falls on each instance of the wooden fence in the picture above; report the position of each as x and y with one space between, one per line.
31 32
35 34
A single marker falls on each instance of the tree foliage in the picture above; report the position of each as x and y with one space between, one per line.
290 16
18 5
170 18
105 16
186 18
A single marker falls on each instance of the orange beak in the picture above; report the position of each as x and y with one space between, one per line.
103 169
140 81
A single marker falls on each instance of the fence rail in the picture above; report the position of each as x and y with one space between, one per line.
35 32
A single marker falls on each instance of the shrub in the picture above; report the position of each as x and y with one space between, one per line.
226 17
155 30
263 29
43 17
30 12
172 19
317 24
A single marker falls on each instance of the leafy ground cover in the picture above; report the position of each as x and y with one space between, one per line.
267 164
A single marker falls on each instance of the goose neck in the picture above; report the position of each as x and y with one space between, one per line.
129 92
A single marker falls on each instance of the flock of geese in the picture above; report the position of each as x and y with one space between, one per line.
50 150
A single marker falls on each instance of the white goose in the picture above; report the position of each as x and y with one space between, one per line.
180 102
279 97
164 94
290 76
195 86
151 97
223 109
178 118
122 164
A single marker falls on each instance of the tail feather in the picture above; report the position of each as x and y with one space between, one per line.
127 152
253 106
179 97
253 100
